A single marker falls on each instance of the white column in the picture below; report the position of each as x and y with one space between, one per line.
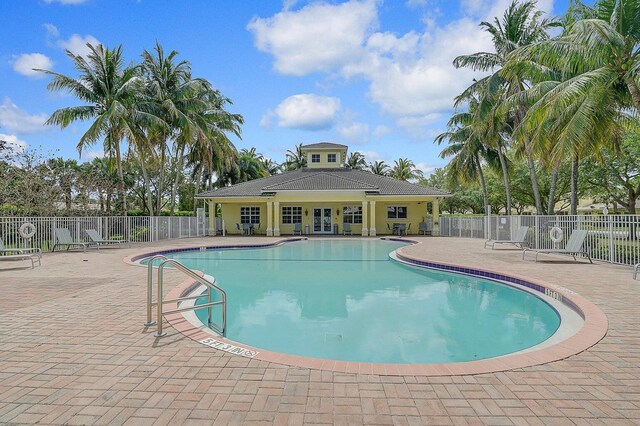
276 219
365 230
435 207
372 219
212 218
269 218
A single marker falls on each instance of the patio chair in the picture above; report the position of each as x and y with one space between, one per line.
297 229
346 229
518 241
35 251
97 239
32 257
424 228
573 247
240 228
636 269
63 238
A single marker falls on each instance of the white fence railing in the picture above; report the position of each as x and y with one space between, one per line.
142 229
611 238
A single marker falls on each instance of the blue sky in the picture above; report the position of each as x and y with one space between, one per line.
374 75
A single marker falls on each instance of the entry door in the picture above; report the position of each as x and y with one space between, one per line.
322 220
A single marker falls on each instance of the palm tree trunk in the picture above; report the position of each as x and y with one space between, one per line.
575 162
635 92
121 193
176 181
505 176
533 176
483 184
552 190
161 176
147 188
197 188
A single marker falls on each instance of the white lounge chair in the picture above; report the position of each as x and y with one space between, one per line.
297 229
35 251
32 257
573 247
518 241
346 229
97 239
636 269
63 238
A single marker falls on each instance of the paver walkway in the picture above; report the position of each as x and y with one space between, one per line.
73 351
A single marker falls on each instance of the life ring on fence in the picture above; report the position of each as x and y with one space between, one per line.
556 234
27 230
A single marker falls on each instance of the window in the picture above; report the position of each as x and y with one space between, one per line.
331 158
352 214
291 214
250 215
315 158
396 212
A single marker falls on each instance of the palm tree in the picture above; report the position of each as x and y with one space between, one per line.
356 161
467 150
296 159
405 169
379 168
108 89
522 24
592 82
270 166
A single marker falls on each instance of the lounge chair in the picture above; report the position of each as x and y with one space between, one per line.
346 229
63 238
424 228
97 239
297 229
33 257
573 247
35 251
518 241
636 269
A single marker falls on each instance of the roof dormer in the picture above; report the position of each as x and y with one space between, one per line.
325 155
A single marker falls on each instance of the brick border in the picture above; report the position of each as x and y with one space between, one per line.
593 330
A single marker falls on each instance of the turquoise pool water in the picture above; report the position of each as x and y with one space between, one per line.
347 300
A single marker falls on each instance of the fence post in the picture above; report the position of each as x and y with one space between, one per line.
611 250
537 230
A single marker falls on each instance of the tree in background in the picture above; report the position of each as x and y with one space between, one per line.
356 161
295 159
379 168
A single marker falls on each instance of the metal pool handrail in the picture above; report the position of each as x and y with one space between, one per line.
221 329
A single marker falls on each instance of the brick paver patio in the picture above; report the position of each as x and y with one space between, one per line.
73 351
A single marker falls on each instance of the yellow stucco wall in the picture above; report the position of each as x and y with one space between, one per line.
416 211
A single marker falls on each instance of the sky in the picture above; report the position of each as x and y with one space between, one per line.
373 75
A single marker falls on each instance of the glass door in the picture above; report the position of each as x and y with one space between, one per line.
322 220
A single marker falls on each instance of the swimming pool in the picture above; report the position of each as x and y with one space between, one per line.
347 300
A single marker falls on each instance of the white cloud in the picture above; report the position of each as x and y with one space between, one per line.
77 44
52 30
307 111
427 169
66 1
25 63
14 144
20 121
318 37
90 155
380 131
354 131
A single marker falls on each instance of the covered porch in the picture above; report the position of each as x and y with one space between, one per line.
331 214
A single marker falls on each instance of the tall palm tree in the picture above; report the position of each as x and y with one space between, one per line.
522 24
379 168
356 161
595 68
467 151
405 169
296 159
270 166
108 89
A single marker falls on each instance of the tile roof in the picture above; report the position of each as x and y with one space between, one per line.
324 145
322 180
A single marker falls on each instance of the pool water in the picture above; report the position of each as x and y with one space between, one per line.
347 300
